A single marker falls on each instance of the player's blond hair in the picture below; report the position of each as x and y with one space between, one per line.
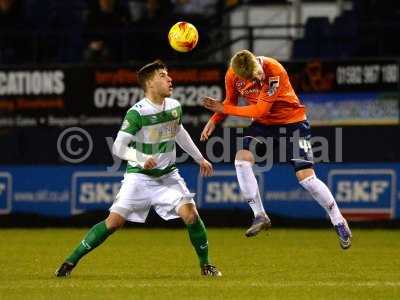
244 63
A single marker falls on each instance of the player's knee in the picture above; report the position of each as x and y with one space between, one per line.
248 194
304 174
244 155
188 213
114 222
309 181
191 217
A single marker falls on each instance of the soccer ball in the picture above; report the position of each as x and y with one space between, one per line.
183 37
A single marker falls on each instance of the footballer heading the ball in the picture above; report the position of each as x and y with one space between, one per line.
183 36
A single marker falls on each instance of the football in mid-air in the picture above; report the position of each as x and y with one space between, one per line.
183 36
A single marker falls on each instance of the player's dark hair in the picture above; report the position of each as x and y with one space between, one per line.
147 72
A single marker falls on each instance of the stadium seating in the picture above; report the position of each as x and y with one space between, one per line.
54 31
366 30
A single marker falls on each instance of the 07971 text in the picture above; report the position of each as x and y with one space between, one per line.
123 97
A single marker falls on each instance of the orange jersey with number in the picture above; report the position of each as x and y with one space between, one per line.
271 101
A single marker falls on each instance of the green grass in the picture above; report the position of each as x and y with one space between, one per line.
160 264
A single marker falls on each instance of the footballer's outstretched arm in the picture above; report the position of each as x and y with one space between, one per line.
231 97
249 111
264 103
186 143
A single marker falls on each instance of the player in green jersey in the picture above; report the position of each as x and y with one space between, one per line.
146 141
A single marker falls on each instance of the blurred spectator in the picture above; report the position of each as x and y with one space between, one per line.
152 43
97 52
157 12
106 14
136 9
104 22
203 8
231 3
15 41
11 14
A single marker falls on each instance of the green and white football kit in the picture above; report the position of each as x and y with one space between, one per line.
150 130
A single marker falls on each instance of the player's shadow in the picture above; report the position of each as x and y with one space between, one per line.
112 277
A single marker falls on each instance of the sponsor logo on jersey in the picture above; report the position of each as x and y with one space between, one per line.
153 119
239 84
250 91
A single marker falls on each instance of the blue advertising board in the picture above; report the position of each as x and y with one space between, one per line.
362 191
5 192
352 108
94 190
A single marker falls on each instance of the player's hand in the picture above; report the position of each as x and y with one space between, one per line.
213 105
207 131
150 163
206 168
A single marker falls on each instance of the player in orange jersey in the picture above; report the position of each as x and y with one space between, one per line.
276 112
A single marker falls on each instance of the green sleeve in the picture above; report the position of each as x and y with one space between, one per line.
180 114
132 122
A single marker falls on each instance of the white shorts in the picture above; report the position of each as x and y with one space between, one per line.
139 192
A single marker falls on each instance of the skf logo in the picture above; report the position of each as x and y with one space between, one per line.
94 190
222 189
100 192
361 190
364 192
5 192
220 192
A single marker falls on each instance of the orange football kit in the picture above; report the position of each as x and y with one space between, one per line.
274 106
271 102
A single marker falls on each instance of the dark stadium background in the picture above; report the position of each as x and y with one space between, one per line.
67 77
342 56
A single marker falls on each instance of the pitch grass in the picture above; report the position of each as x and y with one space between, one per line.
160 264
